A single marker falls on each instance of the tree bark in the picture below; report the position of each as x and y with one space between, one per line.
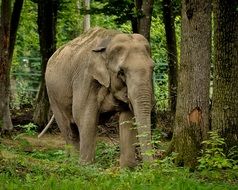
192 114
14 26
225 89
144 10
86 19
168 18
134 25
5 118
47 15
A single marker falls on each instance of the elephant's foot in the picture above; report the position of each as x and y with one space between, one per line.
87 151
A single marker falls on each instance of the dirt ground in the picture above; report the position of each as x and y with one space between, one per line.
50 141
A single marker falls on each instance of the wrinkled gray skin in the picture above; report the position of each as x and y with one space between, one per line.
102 71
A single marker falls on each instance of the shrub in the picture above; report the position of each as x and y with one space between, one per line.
213 156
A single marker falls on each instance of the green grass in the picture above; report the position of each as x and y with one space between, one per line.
53 168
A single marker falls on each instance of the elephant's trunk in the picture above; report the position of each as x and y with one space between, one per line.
142 110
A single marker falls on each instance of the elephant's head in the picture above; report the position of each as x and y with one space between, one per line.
127 71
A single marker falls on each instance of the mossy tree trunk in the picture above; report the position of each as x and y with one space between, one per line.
47 15
5 118
8 29
168 18
225 90
192 111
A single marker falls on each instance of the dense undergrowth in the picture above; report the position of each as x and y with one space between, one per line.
25 164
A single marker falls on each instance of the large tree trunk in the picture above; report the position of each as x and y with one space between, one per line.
192 114
144 13
8 29
47 15
168 18
5 119
225 90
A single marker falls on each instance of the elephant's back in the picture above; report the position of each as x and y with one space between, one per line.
80 47
90 38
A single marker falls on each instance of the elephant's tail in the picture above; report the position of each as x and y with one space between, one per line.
47 126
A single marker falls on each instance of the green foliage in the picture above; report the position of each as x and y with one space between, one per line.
161 93
21 96
159 55
69 21
49 155
156 135
52 169
101 19
106 154
29 129
167 164
233 155
121 10
25 80
27 43
213 157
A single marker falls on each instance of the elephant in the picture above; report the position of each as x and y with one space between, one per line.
102 71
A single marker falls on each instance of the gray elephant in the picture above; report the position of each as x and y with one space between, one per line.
102 71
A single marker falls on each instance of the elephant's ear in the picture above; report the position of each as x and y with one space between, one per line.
98 67
102 45
99 72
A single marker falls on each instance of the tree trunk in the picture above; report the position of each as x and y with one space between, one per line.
14 26
86 20
47 15
5 119
144 10
134 25
225 90
168 18
192 114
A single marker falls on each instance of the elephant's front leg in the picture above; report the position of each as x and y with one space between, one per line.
127 140
87 129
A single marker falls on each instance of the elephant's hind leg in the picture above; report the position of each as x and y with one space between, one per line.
69 130
74 135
